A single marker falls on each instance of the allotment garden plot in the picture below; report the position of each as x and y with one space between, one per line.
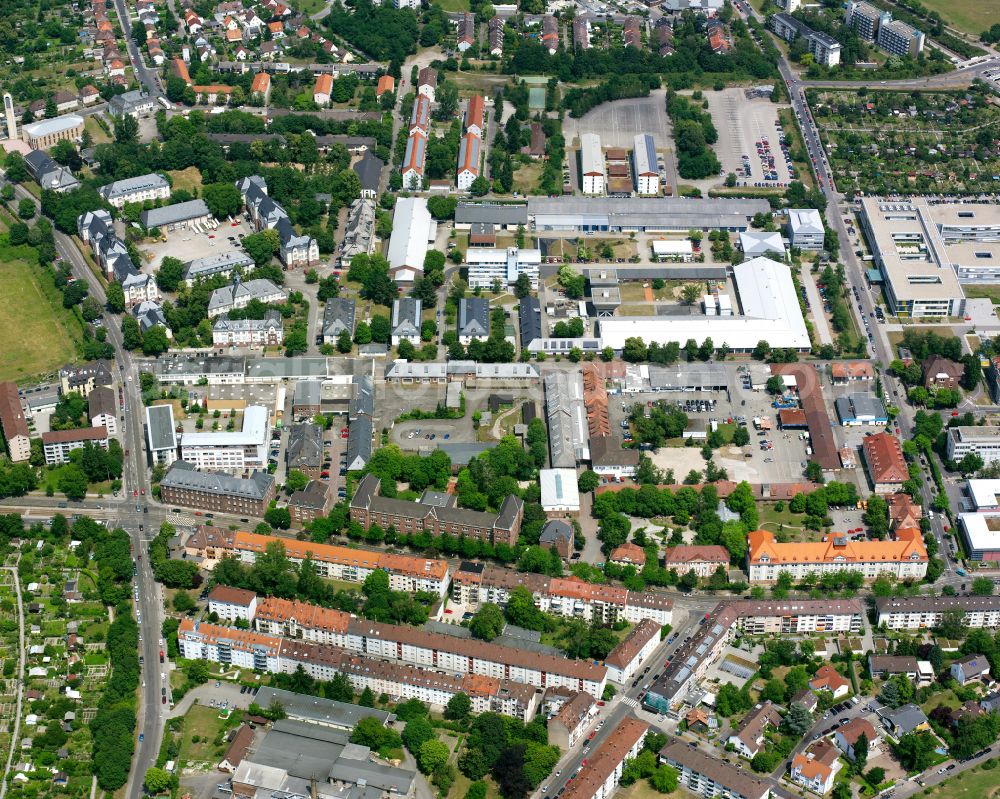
909 142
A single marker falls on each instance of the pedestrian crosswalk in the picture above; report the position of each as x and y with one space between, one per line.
628 700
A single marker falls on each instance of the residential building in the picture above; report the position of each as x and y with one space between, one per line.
235 451
903 720
969 668
252 333
295 249
261 85
14 424
414 161
150 314
898 38
406 573
609 459
213 491
487 265
236 752
904 512
224 263
827 678
805 228
560 494
322 89
571 722
466 31
495 29
304 450
529 319
338 318
885 666
593 176
847 736
845 372
413 229
903 557
85 378
150 187
940 372
406 321
983 441
48 132
748 738
470 155
48 174
599 777
161 438
702 560
581 33
473 319
864 19
550 33
628 554
369 171
240 294
645 171
815 767
103 409
927 612
369 507
427 79
58 444
559 535
823 47
474 584
886 465
311 502
709 776
386 85
230 604
625 660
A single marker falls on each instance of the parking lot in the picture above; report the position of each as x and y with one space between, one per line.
749 127
187 245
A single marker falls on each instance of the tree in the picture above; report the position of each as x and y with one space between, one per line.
296 480
73 482
126 130
459 707
522 286
157 780
432 755
416 733
774 690
952 624
370 732
222 199
664 779
26 208
155 341
182 602
262 246
488 622
131 334
861 753
344 343
916 750
691 293
741 436
982 586
798 721
115 295
588 481
877 516
279 518
775 384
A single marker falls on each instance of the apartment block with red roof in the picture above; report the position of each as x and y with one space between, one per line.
14 423
816 766
599 778
886 465
231 604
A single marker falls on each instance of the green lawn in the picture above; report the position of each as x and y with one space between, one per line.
37 335
454 5
976 782
971 16
203 722
771 518
989 292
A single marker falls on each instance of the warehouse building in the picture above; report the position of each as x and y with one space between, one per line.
413 229
641 214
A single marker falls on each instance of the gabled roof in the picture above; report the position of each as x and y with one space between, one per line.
884 456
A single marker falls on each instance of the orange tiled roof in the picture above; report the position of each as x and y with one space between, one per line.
908 545
324 85
884 456
827 677
261 82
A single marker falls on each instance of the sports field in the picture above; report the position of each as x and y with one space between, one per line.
971 16
36 335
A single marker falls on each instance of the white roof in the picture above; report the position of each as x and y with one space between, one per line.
559 488
254 432
666 247
758 243
805 220
979 535
591 156
985 493
767 292
411 230
488 255
47 127
738 332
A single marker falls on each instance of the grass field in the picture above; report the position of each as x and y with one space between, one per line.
203 722
36 334
989 292
977 782
526 177
454 5
189 179
966 15
310 7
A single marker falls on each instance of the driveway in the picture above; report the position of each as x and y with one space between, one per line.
820 321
